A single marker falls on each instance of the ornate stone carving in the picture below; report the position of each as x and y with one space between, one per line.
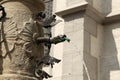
47 59
23 40
19 51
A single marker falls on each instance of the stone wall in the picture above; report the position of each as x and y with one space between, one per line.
81 56
71 2
97 25
93 27
73 51
93 37
110 58
100 37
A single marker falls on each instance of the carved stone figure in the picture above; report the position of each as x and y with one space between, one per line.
47 40
22 40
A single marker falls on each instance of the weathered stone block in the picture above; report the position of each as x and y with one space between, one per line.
91 66
87 42
74 22
90 26
71 3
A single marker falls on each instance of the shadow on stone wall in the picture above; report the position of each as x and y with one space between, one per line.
109 57
103 6
90 60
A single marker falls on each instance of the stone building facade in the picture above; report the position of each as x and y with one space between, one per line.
93 27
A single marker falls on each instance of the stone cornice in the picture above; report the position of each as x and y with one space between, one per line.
94 14
72 9
91 12
112 18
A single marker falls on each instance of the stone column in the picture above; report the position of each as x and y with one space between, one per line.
19 51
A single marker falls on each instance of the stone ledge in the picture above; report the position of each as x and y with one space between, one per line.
94 14
91 12
72 9
112 18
